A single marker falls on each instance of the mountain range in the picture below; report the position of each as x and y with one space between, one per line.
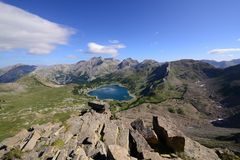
197 91
223 64
148 78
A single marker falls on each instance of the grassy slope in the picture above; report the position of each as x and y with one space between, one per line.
36 104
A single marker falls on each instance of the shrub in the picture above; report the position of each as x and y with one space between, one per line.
171 110
180 111
13 154
59 143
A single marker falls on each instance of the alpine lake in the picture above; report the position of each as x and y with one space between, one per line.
111 92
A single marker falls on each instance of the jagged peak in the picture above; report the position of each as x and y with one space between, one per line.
128 62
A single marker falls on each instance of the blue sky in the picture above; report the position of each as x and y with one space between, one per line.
68 31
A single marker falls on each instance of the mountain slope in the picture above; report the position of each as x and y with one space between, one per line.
15 73
77 73
223 64
227 86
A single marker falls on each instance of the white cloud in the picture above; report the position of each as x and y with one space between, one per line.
114 41
22 30
224 51
238 39
95 48
71 56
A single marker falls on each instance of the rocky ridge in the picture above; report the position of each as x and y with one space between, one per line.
94 135
11 74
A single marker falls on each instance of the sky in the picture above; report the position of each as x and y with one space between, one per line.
62 31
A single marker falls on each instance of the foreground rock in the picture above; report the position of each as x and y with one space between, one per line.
99 107
95 135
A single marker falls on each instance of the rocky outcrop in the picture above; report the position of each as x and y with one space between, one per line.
95 135
98 106
31 141
118 153
173 140
146 132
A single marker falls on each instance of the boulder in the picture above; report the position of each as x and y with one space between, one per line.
95 151
49 152
97 106
194 150
146 132
32 142
110 133
151 155
172 140
72 145
117 152
74 125
16 140
80 154
91 127
137 144
123 138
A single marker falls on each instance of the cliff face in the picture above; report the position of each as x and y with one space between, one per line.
94 135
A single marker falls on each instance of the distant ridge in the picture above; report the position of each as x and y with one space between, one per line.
223 64
16 72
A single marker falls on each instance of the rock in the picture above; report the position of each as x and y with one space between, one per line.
196 151
62 155
97 106
2 146
166 155
123 138
74 125
55 157
95 136
110 133
151 155
173 155
72 145
177 143
171 139
101 148
80 154
32 142
49 152
226 154
117 152
66 137
16 140
59 130
91 127
147 133
94 151
137 144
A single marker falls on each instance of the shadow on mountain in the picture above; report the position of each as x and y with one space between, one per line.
16 73
230 122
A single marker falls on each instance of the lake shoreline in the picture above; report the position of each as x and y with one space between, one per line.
133 97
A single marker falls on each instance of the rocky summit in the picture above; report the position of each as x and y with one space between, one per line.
100 135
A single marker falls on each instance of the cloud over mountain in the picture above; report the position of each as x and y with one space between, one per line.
23 30
94 48
224 51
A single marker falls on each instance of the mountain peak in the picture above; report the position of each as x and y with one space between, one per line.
129 62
